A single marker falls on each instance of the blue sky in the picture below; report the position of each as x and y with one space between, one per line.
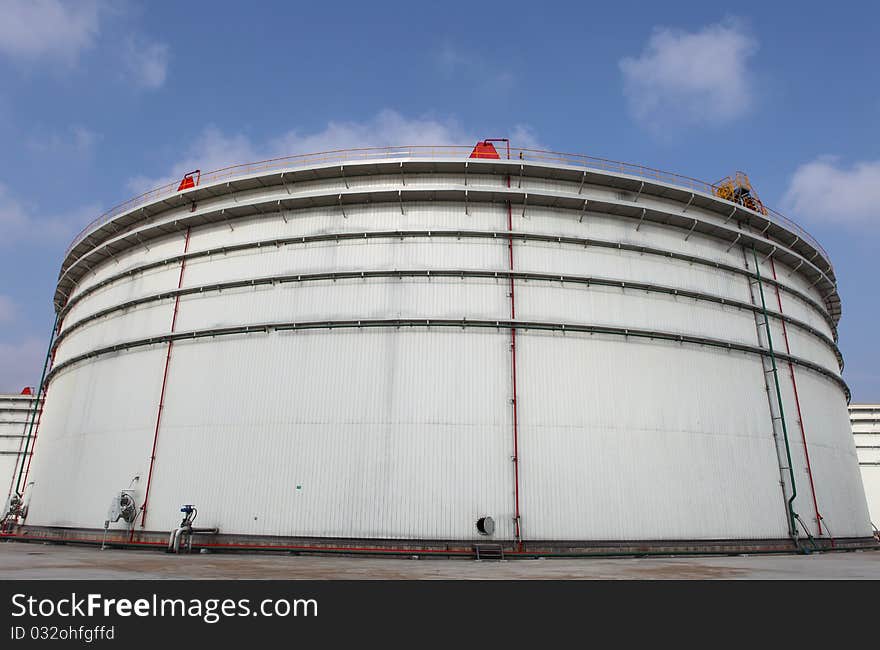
100 100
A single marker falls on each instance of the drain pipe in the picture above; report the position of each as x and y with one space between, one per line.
792 515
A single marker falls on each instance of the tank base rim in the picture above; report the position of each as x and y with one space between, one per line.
422 548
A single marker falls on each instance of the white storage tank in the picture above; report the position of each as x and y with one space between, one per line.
396 348
865 419
17 413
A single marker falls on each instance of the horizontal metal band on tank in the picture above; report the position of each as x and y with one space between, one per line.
399 161
445 273
441 322
389 196
458 234
572 203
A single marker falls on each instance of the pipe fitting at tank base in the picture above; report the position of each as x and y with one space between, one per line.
15 509
182 536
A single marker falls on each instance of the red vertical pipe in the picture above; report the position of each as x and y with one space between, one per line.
517 531
516 524
164 384
516 521
797 402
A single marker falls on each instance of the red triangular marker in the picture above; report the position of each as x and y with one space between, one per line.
484 149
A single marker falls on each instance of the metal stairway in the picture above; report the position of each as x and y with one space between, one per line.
774 393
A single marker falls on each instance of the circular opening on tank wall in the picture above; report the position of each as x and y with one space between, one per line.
485 525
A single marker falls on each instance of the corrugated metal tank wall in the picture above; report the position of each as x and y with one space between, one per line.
405 431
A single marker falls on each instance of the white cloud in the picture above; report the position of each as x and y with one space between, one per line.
77 141
84 140
387 128
459 63
214 149
31 30
691 78
826 191
20 364
13 217
524 137
19 222
450 59
8 309
146 63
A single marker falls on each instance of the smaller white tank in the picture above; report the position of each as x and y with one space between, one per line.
16 413
865 419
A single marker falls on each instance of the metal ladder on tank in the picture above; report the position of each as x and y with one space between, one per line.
774 393
488 552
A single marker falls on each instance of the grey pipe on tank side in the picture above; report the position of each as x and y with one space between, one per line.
184 532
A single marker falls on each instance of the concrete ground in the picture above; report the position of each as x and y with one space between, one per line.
34 561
